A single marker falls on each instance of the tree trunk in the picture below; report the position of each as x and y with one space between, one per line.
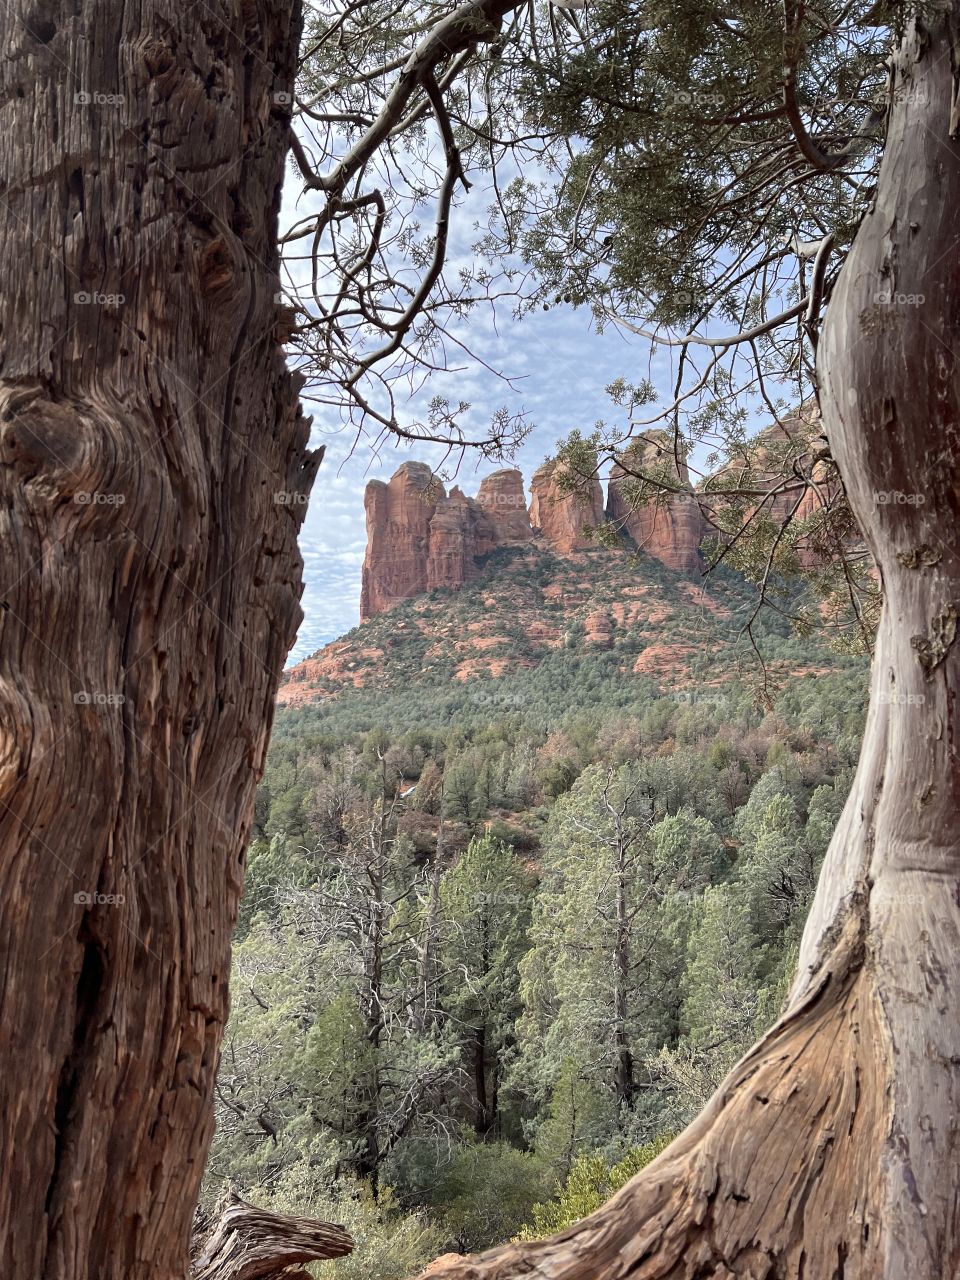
623 1070
154 474
483 1119
247 1243
832 1151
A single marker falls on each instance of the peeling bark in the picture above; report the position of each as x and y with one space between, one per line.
153 467
832 1150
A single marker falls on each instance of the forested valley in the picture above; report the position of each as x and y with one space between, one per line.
501 940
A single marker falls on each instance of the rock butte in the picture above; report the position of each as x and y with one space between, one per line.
670 529
562 517
420 537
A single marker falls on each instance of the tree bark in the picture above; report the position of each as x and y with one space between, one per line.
154 470
247 1243
623 1069
832 1151
483 1119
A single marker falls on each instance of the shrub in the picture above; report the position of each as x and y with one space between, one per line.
592 1181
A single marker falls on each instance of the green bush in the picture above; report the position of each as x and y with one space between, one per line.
592 1181
489 1190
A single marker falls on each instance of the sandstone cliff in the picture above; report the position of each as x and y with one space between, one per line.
420 537
763 464
398 537
670 529
561 517
459 532
504 504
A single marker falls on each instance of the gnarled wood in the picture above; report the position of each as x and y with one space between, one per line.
247 1243
153 469
832 1151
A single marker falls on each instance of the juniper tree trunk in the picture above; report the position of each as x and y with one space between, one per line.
153 472
832 1151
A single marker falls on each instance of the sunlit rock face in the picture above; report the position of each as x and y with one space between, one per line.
670 529
420 537
561 517
761 466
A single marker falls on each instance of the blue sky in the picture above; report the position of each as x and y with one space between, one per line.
557 366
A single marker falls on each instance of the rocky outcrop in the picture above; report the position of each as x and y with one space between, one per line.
459 532
561 516
765 464
398 537
504 504
598 629
765 458
420 537
669 528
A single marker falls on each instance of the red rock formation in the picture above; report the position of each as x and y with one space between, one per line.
598 629
419 537
561 516
504 504
459 532
398 533
669 529
762 465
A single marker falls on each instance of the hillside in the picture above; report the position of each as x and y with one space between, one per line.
439 1035
531 608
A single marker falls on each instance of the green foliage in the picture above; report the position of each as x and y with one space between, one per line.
485 1194
590 1182
580 1117
389 1243
518 929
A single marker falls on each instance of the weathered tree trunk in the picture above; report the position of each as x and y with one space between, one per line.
483 1117
623 1069
247 1243
832 1151
154 467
